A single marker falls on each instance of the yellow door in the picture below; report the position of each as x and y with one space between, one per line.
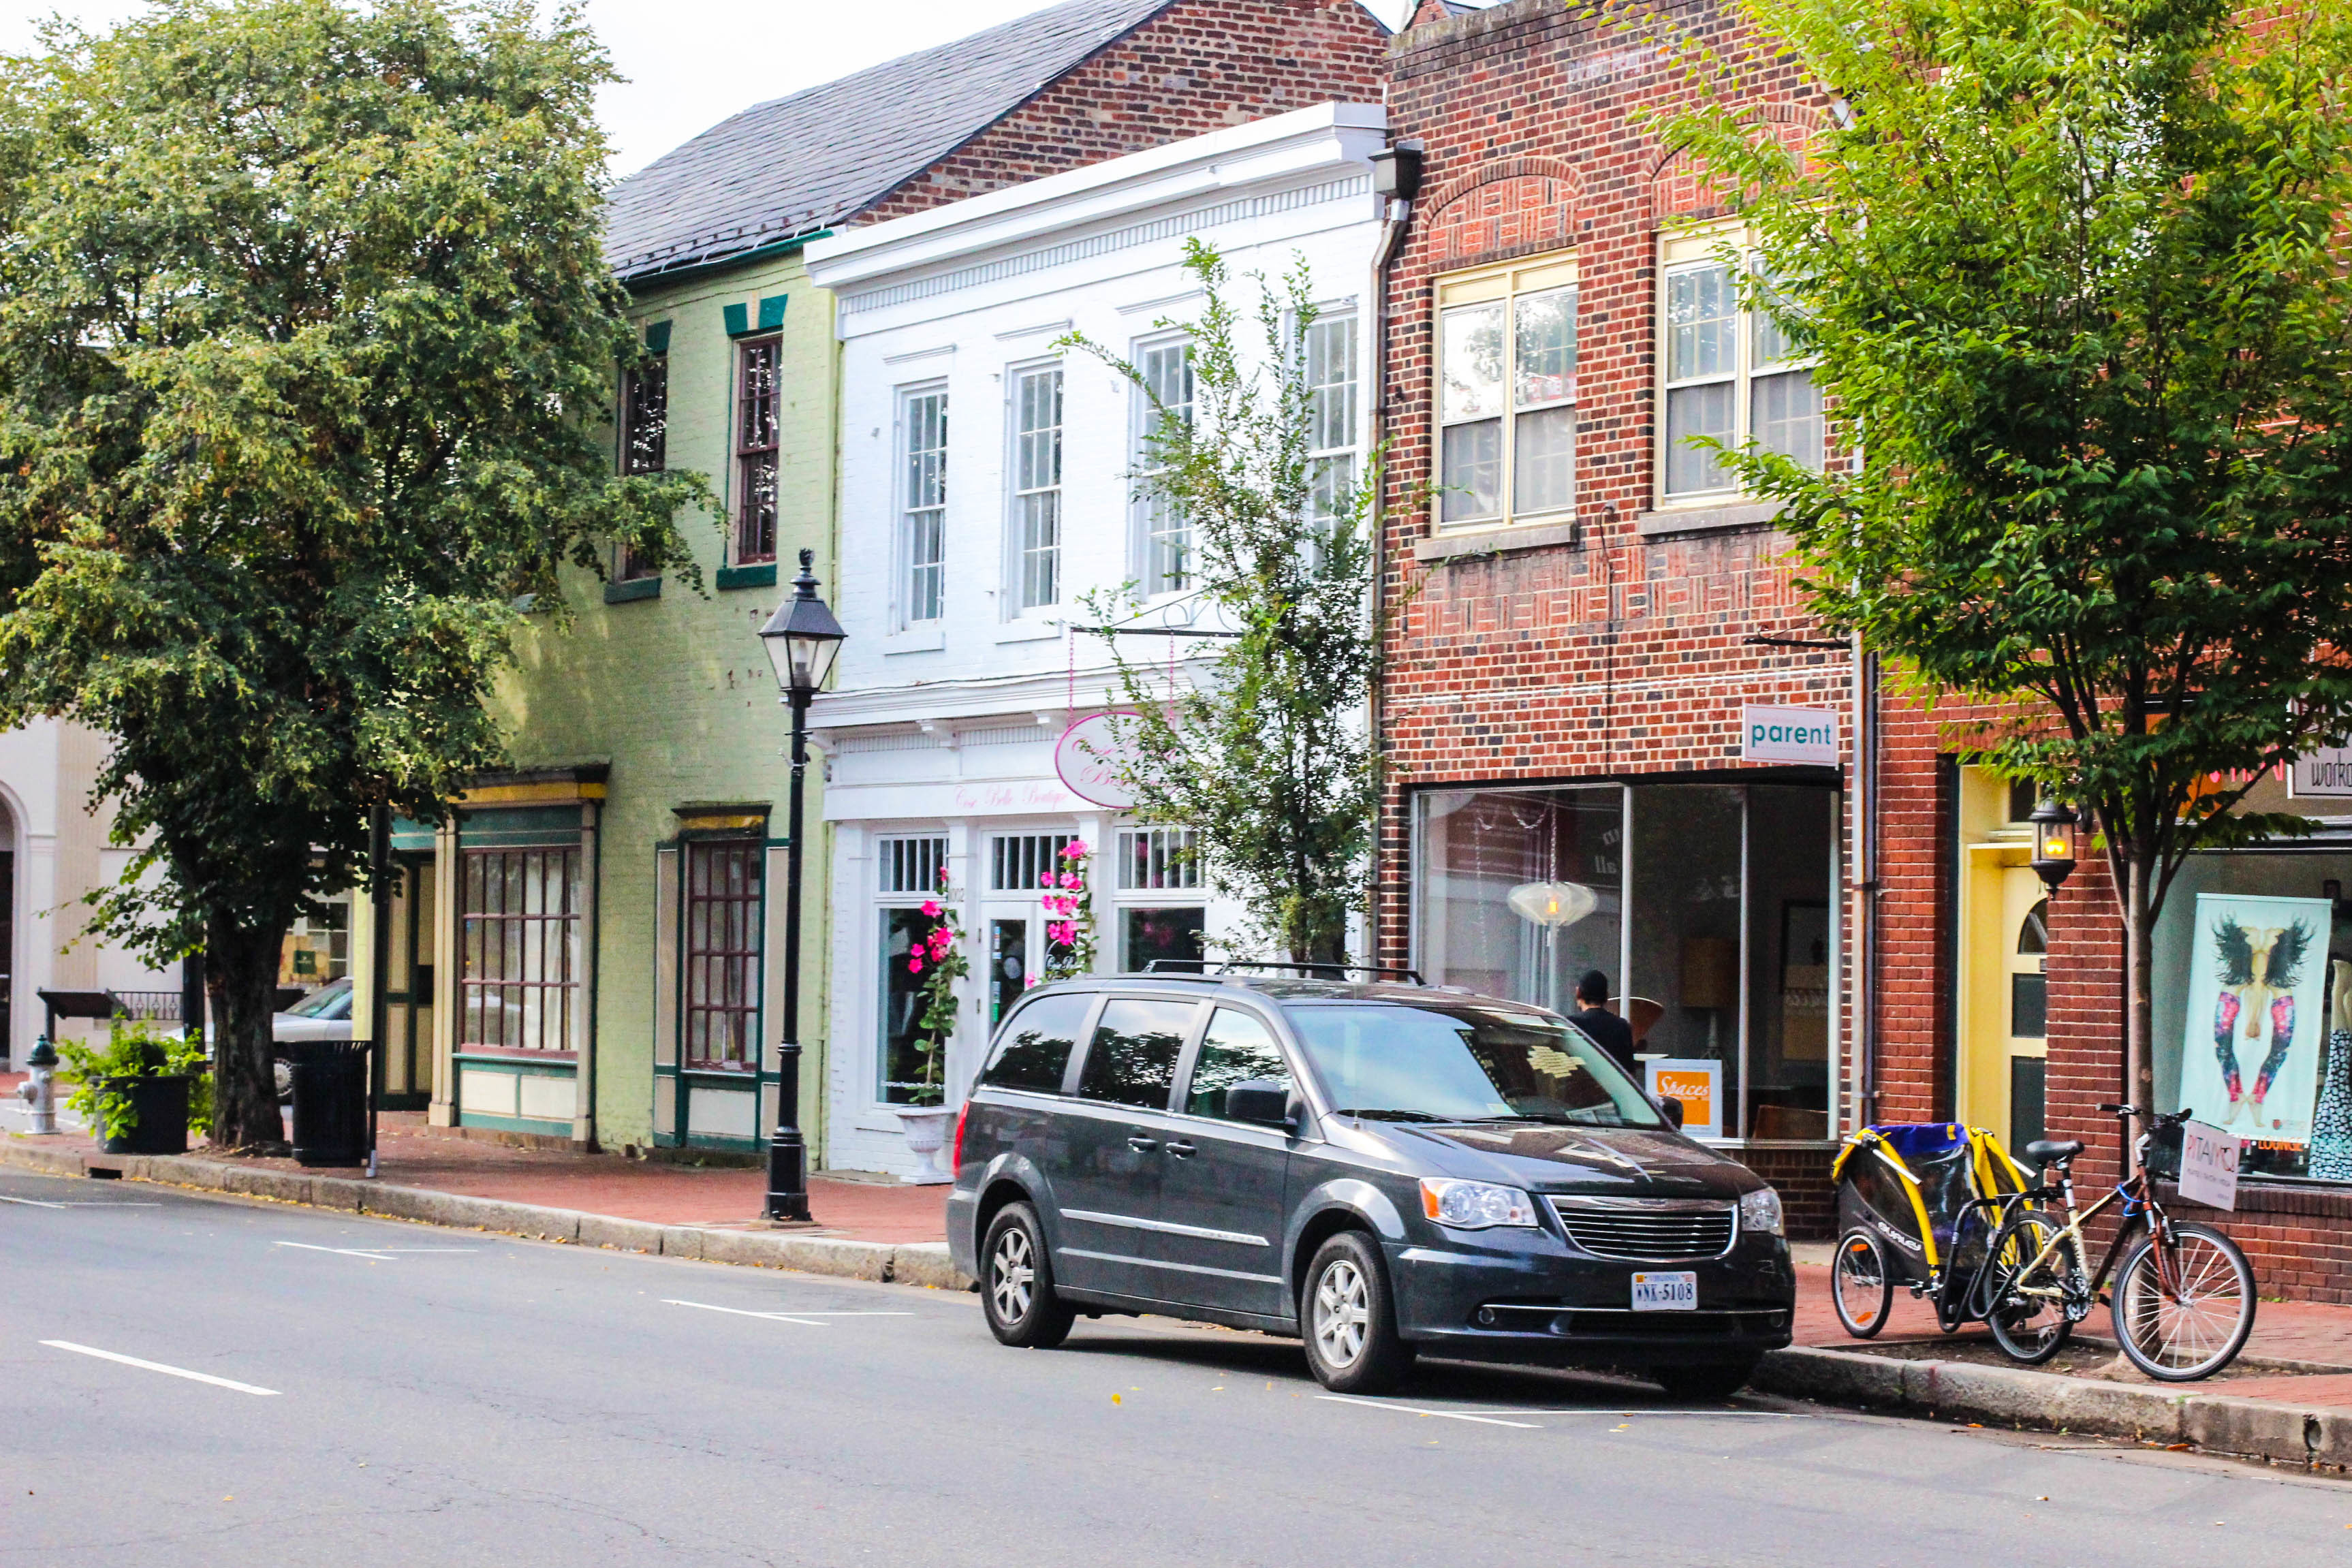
2006 1048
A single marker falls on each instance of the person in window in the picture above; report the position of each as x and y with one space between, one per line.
1609 1031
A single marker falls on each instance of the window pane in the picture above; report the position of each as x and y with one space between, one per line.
1785 416
1686 905
1545 336
645 413
1008 966
1330 488
1702 314
1174 939
1167 546
1789 835
722 898
1463 1062
1237 1048
1696 411
1768 345
1471 362
1331 382
1473 462
1041 549
913 1066
1132 1060
1034 1049
1038 474
1489 854
924 530
1543 468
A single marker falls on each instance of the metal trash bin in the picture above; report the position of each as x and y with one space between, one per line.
331 1102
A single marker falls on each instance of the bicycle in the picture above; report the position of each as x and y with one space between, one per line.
2183 1301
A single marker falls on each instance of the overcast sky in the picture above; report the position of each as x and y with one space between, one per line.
691 63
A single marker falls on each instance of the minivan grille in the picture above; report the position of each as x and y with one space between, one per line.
1640 1233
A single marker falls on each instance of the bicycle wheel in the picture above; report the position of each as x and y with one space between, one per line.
2195 1326
2027 1305
1859 1286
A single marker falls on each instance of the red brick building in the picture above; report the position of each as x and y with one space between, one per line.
1586 617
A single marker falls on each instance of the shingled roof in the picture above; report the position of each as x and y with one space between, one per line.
794 165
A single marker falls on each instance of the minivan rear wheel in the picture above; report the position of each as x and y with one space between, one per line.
1349 1319
1016 1284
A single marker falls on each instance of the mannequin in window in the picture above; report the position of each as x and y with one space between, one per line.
2331 1121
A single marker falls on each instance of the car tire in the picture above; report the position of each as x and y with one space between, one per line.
1347 1318
1016 1284
1710 1379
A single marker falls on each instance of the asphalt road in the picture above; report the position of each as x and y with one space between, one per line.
397 1394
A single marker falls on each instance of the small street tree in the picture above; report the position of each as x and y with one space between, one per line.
307 351
2076 283
1267 753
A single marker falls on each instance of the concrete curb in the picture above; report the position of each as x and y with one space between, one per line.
919 1263
2016 1397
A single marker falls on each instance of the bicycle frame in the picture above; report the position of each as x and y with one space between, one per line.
2142 1209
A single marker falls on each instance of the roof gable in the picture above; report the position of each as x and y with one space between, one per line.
793 165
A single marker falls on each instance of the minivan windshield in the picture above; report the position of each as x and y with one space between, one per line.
1449 1061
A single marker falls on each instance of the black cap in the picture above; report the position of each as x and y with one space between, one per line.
1593 987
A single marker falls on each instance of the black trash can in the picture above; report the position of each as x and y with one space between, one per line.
159 1106
331 1102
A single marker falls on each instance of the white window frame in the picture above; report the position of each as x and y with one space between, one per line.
1151 517
881 899
912 597
1343 325
1510 284
1185 886
1019 557
1680 254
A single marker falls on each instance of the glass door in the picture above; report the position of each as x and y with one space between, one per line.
1009 963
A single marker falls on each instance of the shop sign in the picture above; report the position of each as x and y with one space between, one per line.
2208 1166
1692 1081
1093 762
1789 735
2324 774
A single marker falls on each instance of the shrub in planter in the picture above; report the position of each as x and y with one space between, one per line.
142 1092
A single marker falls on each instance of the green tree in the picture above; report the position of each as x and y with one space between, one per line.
1267 753
2075 279
307 354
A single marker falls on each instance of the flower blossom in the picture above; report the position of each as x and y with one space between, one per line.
915 964
931 909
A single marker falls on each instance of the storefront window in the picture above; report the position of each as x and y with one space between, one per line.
2252 983
317 947
1715 932
1155 862
908 1070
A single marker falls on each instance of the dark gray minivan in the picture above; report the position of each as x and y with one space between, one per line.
1380 1170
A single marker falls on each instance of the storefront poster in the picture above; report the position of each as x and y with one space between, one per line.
2257 1019
1692 1081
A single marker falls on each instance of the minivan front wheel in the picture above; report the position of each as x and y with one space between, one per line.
1016 1284
1349 1319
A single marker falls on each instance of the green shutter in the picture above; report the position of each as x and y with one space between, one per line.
658 338
772 311
737 320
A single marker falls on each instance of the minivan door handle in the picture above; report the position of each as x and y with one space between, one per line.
1181 1150
1141 1144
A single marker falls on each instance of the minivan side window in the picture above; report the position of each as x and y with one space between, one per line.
1132 1060
1035 1046
1238 1049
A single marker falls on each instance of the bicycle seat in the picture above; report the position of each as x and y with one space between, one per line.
2048 1152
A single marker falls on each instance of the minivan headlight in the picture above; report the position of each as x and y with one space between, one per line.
1473 1205
1760 1211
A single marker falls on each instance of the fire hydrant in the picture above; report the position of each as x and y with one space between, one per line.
39 1089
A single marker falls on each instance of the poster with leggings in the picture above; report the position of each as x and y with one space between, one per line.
2258 1023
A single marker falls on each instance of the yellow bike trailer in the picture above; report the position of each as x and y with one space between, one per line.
1917 1203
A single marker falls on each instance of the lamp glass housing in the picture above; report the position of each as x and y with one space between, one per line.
801 638
2054 857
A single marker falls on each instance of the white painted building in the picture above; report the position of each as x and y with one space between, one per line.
985 490
53 852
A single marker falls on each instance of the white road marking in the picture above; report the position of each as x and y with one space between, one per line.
1646 1415
1416 1410
38 1204
30 1203
159 1366
374 1254
806 1319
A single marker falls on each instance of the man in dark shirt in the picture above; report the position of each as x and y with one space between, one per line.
1609 1031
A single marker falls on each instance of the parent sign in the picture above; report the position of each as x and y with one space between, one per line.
1789 735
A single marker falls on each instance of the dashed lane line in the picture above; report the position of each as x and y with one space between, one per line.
806 1319
159 1366
38 1203
374 1254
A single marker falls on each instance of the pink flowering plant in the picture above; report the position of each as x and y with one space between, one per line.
1069 905
941 960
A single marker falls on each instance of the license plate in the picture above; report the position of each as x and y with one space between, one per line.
1676 1292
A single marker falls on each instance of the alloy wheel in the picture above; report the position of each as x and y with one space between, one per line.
1343 1313
1012 1275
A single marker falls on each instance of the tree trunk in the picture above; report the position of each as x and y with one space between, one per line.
2139 1062
241 972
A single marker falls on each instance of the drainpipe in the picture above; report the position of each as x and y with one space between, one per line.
1396 178
1866 880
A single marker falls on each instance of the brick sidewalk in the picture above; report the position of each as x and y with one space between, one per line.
411 1154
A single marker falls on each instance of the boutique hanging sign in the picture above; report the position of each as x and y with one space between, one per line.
1807 735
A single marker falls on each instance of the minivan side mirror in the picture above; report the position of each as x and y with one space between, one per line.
1673 1107
1254 1099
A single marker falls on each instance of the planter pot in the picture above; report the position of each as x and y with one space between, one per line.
927 1134
161 1104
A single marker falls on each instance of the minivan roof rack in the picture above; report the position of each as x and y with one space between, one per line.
1313 970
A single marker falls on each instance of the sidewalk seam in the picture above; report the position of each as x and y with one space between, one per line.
924 1265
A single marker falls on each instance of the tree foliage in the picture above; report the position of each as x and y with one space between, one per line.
307 352
1266 750
2076 283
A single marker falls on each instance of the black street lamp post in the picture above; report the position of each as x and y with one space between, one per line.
802 640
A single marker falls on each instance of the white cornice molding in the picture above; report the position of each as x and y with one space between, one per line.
934 705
